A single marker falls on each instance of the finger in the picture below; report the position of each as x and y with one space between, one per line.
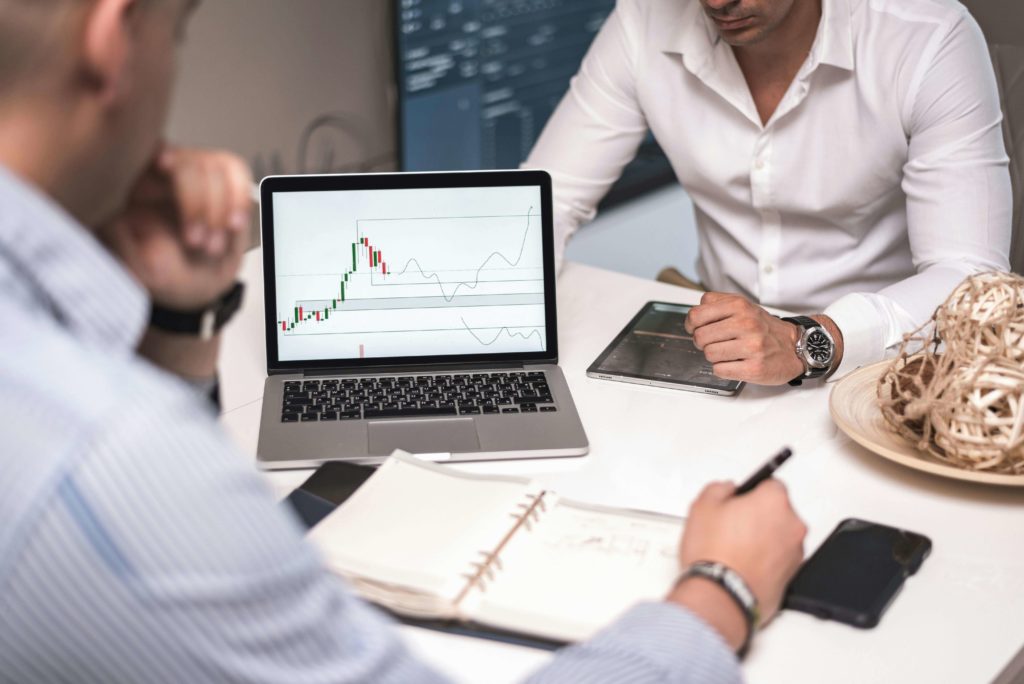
239 179
716 492
217 242
721 331
189 189
723 352
705 314
715 297
736 370
216 204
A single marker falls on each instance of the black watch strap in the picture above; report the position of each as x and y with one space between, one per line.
809 373
205 322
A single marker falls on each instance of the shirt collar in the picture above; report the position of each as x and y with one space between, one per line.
696 36
66 272
834 43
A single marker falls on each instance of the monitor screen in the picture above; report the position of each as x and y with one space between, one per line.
478 79
414 272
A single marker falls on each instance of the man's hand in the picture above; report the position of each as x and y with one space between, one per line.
757 535
183 234
186 226
744 342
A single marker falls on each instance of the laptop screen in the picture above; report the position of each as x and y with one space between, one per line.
408 273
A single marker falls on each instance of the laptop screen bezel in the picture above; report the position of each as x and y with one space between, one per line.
404 181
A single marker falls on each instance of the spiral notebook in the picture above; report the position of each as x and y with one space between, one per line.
427 542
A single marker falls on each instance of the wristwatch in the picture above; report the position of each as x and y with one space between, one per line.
205 322
735 587
815 348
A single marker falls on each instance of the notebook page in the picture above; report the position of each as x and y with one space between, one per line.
418 525
578 569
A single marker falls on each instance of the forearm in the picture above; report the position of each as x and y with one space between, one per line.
653 642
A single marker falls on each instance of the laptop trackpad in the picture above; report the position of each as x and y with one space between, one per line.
423 436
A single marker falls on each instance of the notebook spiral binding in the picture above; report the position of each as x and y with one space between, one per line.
484 571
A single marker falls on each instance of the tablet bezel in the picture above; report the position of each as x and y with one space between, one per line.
595 371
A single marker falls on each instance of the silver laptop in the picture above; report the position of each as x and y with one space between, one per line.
412 311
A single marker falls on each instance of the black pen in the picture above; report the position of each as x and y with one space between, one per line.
764 472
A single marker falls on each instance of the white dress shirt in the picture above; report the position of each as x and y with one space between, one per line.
878 184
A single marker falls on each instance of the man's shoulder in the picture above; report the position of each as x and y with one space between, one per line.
920 16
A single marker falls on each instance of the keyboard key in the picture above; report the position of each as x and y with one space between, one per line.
310 417
469 410
510 409
409 412
548 409
528 409
299 401
329 415
350 415
491 409
289 417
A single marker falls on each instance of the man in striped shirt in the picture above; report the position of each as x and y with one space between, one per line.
136 544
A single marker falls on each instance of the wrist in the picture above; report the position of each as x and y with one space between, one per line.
190 357
710 602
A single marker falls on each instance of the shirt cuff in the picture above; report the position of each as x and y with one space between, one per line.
863 330
662 640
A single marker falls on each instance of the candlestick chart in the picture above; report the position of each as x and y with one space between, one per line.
385 286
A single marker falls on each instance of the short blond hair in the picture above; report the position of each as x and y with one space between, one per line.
34 35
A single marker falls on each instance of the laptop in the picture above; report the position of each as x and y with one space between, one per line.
412 311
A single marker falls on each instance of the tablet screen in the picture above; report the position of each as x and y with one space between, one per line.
656 347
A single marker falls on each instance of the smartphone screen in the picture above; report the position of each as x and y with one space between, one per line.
857 572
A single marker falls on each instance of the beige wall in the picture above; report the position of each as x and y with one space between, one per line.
256 73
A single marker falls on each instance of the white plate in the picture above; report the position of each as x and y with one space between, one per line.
854 407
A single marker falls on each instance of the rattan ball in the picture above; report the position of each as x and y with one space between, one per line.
956 388
984 317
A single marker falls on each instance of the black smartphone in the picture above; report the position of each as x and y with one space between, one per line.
856 573
326 489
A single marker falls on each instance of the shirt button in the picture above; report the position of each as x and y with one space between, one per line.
759 164
768 269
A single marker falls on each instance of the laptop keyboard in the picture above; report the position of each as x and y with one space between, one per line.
416 396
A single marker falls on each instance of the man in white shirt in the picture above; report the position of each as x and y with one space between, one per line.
845 158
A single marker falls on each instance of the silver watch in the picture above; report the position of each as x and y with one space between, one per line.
815 348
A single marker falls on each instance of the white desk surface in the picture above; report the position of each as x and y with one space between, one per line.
958 620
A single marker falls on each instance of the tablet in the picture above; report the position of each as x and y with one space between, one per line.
655 349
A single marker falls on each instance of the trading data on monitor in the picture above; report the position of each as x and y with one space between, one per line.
399 273
478 79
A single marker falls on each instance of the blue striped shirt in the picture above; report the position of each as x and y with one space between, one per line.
138 545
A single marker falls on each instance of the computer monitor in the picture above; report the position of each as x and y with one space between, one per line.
478 79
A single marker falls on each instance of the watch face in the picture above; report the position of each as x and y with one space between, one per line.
819 348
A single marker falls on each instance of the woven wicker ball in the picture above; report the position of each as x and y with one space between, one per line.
956 388
979 423
984 317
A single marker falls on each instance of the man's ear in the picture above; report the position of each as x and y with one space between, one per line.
107 45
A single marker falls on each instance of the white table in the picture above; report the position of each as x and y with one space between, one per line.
960 619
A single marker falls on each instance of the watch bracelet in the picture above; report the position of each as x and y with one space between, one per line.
716 572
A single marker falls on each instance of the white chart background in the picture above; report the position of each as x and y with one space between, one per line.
465 272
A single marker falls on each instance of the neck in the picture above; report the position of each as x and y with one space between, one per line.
785 46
